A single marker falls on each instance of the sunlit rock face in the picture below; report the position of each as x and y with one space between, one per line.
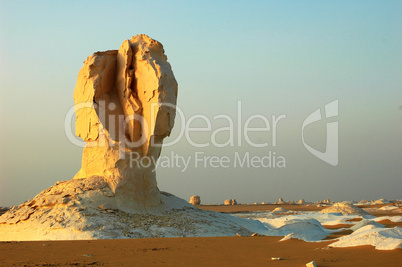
195 200
125 106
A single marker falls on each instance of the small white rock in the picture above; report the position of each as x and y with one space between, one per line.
311 264
276 258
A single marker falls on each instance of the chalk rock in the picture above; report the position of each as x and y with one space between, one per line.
311 264
327 201
230 202
280 201
62 212
195 200
280 210
380 237
345 208
125 106
301 202
380 201
365 222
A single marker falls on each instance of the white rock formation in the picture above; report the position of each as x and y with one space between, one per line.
298 228
345 208
88 209
280 201
301 202
391 208
380 201
380 238
280 210
230 202
125 107
195 200
363 223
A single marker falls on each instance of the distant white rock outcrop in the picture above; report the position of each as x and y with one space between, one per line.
281 201
230 202
195 200
279 210
301 202
345 208
380 201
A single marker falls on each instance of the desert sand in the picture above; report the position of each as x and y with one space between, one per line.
192 251
201 251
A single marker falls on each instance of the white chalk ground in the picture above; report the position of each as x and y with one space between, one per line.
308 226
88 209
379 237
385 209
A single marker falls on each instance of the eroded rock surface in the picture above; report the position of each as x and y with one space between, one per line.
125 106
195 200
88 209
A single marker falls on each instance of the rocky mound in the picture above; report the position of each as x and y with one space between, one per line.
345 208
88 209
195 200
280 210
380 238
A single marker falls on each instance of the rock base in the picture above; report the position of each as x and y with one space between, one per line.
88 209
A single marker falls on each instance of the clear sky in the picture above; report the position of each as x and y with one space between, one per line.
276 57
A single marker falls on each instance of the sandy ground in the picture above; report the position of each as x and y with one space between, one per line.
195 251
199 251
293 207
258 207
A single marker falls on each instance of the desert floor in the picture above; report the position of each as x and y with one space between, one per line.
197 251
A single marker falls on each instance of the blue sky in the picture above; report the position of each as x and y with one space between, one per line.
287 57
